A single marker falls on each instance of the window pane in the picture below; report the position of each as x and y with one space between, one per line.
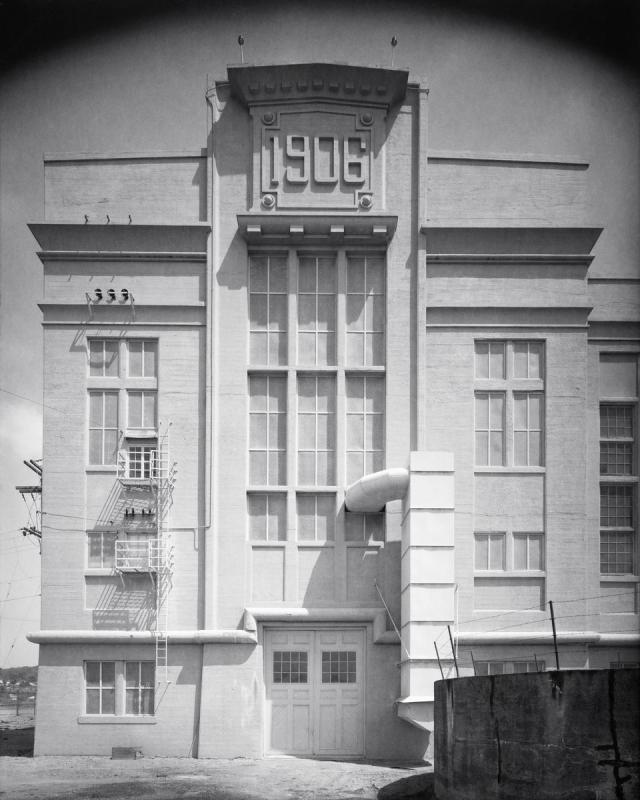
108 673
535 449
147 673
258 274
135 359
277 274
520 552
132 673
482 360
616 507
93 701
535 360
95 357
355 275
150 409
520 360
95 409
482 552
616 458
496 360
520 448
495 458
111 409
147 701
496 552
95 447
616 553
276 530
618 375
616 422
110 446
520 411
94 553
482 411
92 673
131 702
536 560
306 518
135 410
496 405
150 359
482 448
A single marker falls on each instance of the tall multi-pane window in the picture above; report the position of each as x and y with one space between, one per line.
268 309
616 529
618 377
509 403
490 360
142 409
316 311
316 517
101 546
103 358
103 427
527 360
527 428
267 430
143 358
316 430
489 428
267 516
528 551
367 527
365 425
140 687
122 383
316 391
616 439
365 310
490 551
100 687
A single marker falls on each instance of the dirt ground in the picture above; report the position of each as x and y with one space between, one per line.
23 777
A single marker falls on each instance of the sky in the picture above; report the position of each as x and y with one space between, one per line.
556 78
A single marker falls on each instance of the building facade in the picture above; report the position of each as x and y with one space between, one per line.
326 416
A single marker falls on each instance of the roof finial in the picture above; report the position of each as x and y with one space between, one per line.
241 43
394 44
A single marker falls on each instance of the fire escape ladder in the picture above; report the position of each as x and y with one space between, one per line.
161 555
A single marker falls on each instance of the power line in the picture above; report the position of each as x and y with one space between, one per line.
31 400
22 597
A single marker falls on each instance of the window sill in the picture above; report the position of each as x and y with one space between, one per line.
99 571
112 719
604 578
519 573
319 543
110 469
510 470
618 478
280 543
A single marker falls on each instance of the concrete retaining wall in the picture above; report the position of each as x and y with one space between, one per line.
571 734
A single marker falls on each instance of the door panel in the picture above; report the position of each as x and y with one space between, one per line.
315 692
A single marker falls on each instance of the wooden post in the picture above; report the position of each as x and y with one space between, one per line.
453 651
438 656
555 639
473 661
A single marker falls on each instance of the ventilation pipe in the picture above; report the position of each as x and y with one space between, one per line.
373 491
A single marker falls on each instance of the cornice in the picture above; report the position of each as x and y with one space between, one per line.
312 82
301 229
121 239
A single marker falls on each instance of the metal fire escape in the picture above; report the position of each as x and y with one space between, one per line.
150 468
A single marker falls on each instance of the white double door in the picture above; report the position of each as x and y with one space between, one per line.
315 692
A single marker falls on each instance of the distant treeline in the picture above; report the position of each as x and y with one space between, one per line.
20 674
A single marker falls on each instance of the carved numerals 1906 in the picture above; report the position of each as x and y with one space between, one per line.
323 159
